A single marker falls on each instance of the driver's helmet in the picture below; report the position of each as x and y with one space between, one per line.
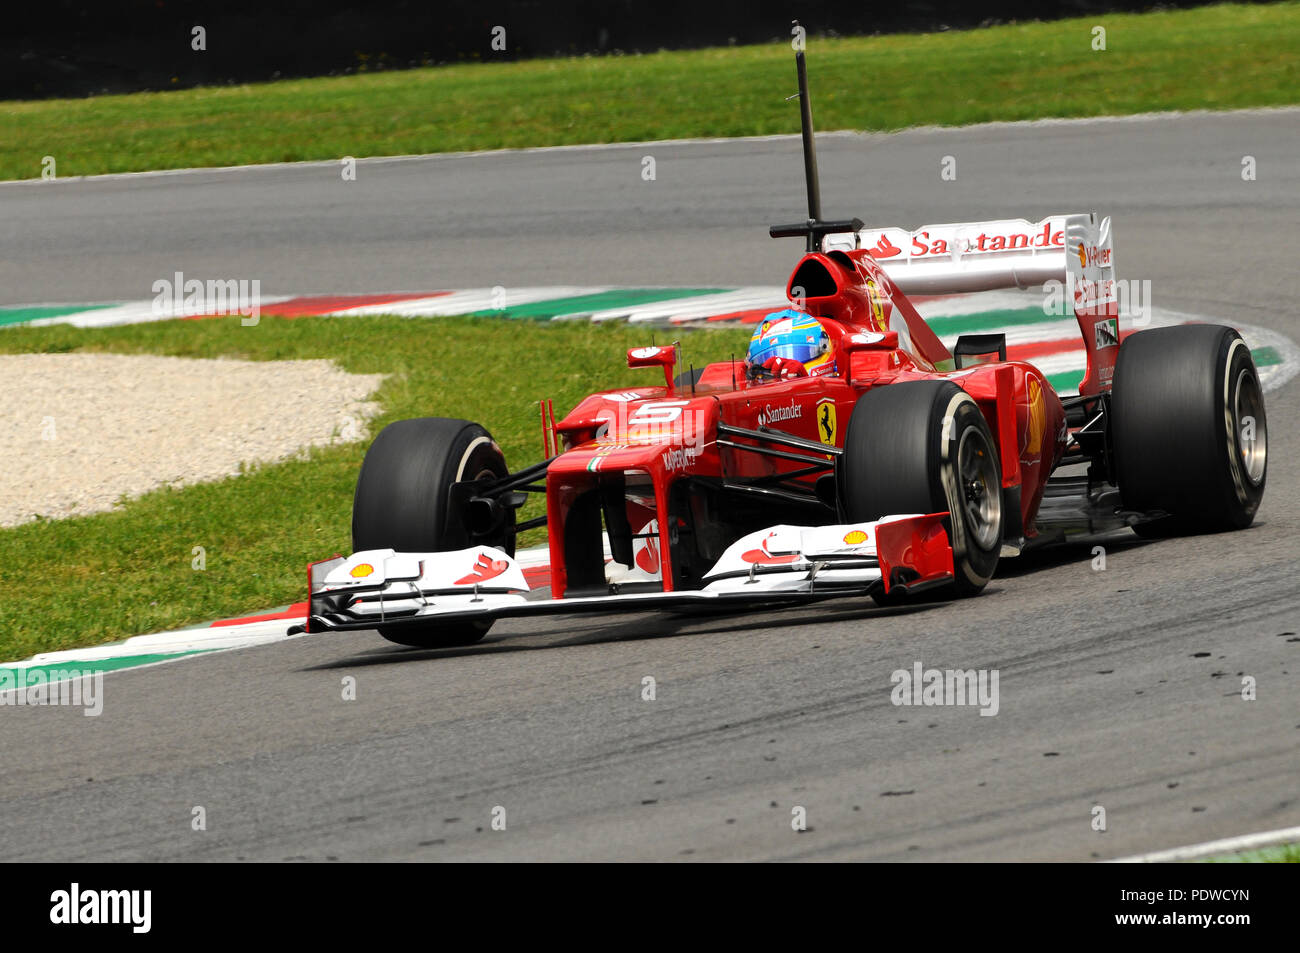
786 341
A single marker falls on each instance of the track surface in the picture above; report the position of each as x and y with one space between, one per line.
1104 699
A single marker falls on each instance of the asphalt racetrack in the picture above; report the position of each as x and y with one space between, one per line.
1118 688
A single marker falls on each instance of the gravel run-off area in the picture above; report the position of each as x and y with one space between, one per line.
78 432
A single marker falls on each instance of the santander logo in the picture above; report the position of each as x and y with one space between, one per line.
765 558
484 569
647 556
965 240
992 241
771 414
884 248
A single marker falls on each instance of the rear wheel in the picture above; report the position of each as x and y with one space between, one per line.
404 501
924 447
1189 429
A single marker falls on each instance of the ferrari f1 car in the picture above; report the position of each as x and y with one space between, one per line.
905 468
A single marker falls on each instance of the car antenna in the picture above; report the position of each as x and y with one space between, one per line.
733 370
814 229
692 367
811 179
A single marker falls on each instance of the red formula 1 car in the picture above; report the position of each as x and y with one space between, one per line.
898 467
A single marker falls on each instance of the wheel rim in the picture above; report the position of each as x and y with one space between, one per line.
980 488
1250 426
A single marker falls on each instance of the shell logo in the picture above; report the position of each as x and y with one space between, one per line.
1083 256
855 537
1037 417
361 570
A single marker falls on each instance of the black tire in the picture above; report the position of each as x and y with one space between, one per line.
899 457
1179 403
403 501
445 635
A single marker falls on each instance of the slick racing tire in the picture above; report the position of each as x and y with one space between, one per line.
403 501
1189 430
924 447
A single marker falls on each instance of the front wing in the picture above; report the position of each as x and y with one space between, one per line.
781 564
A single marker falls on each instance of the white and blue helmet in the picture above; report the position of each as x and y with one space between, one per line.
793 335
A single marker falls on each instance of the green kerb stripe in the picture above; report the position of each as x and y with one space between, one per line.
1266 356
1066 381
23 315
101 665
601 301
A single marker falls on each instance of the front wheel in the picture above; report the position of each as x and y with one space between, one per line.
444 635
924 447
404 501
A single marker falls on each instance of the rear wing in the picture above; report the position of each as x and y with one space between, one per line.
1074 250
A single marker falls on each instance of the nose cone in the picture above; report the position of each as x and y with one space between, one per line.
641 432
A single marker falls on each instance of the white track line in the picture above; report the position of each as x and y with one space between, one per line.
131 312
182 643
180 640
1228 845
473 299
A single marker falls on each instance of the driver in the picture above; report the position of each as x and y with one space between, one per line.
788 344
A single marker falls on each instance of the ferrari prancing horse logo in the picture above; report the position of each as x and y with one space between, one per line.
826 425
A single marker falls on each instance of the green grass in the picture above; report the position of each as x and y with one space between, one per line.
98 578
1281 854
1220 57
